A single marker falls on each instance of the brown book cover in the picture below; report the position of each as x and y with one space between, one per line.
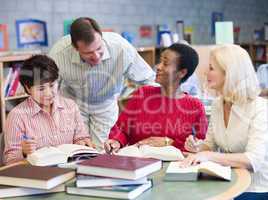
118 162
33 172
35 176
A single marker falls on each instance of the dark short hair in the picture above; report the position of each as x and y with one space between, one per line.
83 29
38 69
187 58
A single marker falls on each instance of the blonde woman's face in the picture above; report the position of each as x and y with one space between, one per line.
215 76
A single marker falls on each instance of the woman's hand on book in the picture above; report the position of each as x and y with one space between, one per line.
193 144
111 146
194 159
28 146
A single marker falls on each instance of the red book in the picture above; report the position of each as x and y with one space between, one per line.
15 83
119 166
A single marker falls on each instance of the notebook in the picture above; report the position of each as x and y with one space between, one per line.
47 156
115 166
97 181
10 191
166 153
116 192
176 173
35 176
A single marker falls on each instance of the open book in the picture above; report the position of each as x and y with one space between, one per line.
55 155
166 153
176 173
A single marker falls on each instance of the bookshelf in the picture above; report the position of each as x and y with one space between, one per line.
258 52
8 102
148 54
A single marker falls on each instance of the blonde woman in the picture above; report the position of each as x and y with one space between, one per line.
238 130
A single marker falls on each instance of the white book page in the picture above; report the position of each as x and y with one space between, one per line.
71 149
215 169
132 151
45 152
45 155
174 167
166 153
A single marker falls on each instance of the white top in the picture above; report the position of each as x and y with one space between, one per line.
247 132
192 86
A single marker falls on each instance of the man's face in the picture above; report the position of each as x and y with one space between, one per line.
93 52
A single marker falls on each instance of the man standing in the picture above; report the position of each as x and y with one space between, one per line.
93 66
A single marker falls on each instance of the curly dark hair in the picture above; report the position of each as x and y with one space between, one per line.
187 58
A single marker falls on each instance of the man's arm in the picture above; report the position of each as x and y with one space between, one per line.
138 71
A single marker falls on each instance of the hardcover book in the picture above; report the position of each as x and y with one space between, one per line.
34 176
117 192
115 166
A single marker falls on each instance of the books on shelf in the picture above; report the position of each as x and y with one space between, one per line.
47 156
8 71
11 191
117 192
35 177
11 79
260 53
97 181
166 153
15 80
115 166
175 173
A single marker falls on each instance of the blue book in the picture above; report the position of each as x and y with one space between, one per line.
117 192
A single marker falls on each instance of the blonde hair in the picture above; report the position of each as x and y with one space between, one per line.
241 84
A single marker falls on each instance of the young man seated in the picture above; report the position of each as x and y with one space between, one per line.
45 118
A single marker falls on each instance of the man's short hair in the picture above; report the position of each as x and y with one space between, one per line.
83 29
37 70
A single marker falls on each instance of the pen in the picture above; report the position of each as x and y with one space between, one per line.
25 137
197 142
193 132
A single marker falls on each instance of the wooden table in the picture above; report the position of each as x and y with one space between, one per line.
202 189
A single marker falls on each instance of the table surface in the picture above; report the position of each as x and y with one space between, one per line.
204 188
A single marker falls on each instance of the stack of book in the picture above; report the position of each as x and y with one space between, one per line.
22 180
114 176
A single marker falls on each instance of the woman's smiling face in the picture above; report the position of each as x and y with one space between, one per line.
167 71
